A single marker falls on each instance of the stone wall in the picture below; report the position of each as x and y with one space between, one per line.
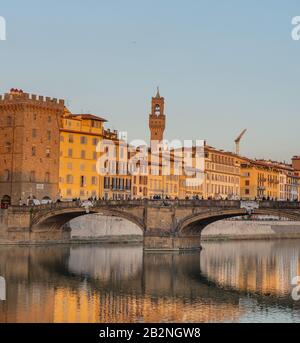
99 226
232 229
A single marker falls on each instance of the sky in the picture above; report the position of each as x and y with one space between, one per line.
222 66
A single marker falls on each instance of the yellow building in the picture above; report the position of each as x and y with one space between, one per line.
79 137
259 180
79 176
222 174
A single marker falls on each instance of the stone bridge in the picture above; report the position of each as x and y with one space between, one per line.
166 224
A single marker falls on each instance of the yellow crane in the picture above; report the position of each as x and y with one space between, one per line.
238 140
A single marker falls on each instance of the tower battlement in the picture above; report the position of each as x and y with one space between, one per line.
17 96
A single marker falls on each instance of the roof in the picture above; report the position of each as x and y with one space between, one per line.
89 117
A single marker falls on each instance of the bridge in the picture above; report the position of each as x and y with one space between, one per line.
166 224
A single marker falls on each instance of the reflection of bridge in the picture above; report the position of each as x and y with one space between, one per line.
150 286
171 225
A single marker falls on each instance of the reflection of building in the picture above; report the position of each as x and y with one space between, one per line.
260 267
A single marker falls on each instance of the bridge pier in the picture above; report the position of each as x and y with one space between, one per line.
172 243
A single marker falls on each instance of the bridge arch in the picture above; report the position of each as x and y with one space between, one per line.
195 223
56 219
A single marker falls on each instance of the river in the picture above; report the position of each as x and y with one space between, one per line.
239 281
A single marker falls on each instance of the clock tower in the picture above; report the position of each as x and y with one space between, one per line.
157 118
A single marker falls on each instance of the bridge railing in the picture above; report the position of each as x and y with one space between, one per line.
279 205
158 203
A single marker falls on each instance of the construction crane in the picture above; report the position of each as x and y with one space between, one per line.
238 140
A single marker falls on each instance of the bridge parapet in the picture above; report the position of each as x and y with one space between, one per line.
285 205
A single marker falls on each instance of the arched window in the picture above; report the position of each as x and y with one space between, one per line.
6 200
33 151
157 110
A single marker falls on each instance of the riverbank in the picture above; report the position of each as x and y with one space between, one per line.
99 227
251 230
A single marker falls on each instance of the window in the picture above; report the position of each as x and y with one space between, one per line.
70 153
94 180
71 139
33 151
8 147
9 121
69 166
82 167
247 183
95 155
83 140
32 176
48 152
47 177
49 135
69 179
34 116
157 110
62 138
69 192
82 154
33 134
106 182
49 119
95 141
6 176
82 181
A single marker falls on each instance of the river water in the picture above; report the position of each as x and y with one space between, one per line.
246 281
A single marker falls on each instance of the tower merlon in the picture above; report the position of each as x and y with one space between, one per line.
18 96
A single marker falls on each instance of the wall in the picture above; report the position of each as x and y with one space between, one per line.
103 227
251 230
100 226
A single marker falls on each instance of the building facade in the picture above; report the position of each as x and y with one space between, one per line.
29 151
48 153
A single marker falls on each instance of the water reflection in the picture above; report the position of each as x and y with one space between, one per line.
230 281
259 267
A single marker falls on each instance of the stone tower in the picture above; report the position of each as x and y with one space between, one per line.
157 118
29 148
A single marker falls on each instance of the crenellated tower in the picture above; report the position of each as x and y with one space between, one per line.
157 118
30 146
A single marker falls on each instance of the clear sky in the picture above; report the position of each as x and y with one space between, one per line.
221 65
